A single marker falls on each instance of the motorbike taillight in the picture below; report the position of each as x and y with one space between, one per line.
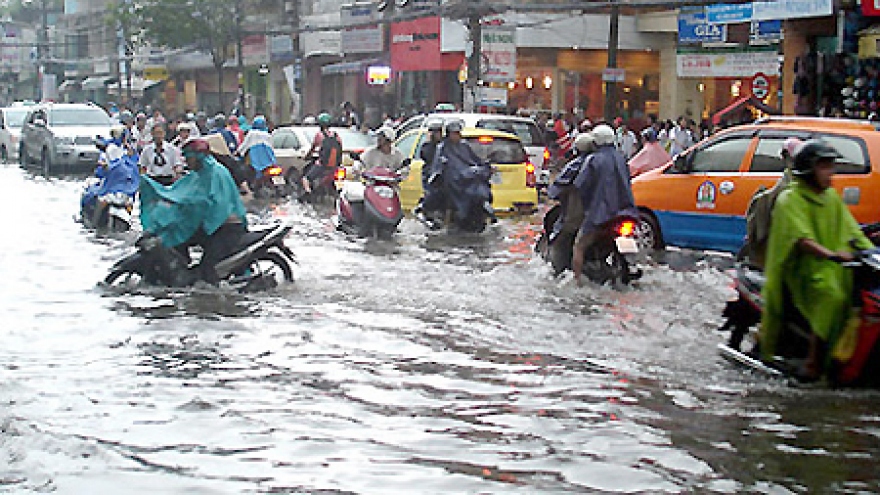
340 173
274 170
530 174
626 228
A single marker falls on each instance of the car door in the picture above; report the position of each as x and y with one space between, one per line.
704 201
31 138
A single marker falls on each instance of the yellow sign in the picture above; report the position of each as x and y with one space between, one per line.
155 73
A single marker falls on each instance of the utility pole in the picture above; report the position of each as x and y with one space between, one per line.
611 86
474 59
240 56
42 48
292 7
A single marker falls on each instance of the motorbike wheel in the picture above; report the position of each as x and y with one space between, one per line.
604 264
268 271
46 163
23 156
124 278
647 234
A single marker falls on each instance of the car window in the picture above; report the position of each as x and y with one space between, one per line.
527 132
413 123
285 140
78 117
423 138
720 156
854 159
497 150
407 142
15 117
354 140
767 157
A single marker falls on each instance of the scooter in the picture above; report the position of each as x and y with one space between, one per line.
856 359
261 261
322 182
115 217
609 259
371 206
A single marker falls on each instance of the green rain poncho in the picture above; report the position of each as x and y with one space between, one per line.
820 289
205 198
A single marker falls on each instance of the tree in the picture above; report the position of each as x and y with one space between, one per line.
209 26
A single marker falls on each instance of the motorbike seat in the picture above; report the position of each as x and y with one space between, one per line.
253 237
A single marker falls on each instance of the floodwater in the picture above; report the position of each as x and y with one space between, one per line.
423 365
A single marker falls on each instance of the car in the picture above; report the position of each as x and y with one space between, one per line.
513 180
531 136
699 199
11 120
292 143
58 135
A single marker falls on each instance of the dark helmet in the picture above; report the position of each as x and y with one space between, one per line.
453 126
810 153
649 134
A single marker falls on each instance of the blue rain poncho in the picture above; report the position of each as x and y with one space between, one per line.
120 176
464 177
604 186
204 198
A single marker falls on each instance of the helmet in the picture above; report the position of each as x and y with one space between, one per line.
197 145
790 147
649 134
603 134
220 119
259 123
310 120
126 117
435 125
453 126
584 142
117 131
324 119
386 132
809 153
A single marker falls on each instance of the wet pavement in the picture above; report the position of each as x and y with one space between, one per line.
424 365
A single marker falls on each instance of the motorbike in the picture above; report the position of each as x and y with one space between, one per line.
467 202
858 365
116 188
609 259
371 206
322 182
260 262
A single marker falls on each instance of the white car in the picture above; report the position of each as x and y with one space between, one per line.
292 143
62 134
11 120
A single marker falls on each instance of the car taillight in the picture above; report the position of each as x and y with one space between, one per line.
546 155
530 174
340 173
274 170
626 228
485 139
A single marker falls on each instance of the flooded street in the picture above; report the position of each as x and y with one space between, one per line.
423 365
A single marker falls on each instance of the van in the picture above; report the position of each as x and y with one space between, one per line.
699 200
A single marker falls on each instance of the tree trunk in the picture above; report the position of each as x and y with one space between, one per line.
220 87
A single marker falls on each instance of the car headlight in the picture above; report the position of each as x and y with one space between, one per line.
64 140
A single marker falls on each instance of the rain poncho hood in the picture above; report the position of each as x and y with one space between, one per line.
120 176
651 156
820 289
257 146
604 187
464 176
205 198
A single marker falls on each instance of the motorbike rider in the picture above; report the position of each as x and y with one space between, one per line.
218 126
427 152
324 162
161 160
257 147
563 191
605 191
457 176
651 156
116 173
202 208
811 233
384 154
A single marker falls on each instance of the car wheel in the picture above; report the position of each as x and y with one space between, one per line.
4 154
647 233
23 156
45 162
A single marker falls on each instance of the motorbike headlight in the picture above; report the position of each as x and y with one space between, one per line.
64 140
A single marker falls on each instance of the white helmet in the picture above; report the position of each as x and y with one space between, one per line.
310 120
584 142
386 132
603 135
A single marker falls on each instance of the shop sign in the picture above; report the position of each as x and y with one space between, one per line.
254 49
281 48
378 75
694 27
499 54
728 64
363 37
871 7
415 45
155 73
613 74
723 13
766 31
491 97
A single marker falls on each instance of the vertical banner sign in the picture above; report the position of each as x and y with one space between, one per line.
499 54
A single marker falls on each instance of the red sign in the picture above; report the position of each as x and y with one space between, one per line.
760 86
871 7
415 46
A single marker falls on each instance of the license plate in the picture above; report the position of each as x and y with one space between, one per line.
278 180
626 245
543 177
496 178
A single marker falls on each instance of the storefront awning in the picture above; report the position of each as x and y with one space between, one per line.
745 100
92 83
68 85
347 67
137 84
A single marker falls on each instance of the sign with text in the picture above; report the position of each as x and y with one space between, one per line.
723 13
760 86
361 37
694 27
766 31
613 74
729 64
491 97
499 54
871 7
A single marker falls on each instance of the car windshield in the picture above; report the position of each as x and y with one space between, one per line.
15 116
496 150
527 132
78 117
351 140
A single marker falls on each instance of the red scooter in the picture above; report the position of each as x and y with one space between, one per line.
371 206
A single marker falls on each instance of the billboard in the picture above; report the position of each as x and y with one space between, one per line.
362 37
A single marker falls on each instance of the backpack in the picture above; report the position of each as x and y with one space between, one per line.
331 151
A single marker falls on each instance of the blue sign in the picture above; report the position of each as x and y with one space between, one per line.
766 31
693 27
725 13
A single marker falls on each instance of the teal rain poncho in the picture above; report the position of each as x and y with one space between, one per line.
820 289
205 198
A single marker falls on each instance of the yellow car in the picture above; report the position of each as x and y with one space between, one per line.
513 180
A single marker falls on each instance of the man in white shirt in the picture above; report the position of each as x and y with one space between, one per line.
384 154
680 137
161 160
